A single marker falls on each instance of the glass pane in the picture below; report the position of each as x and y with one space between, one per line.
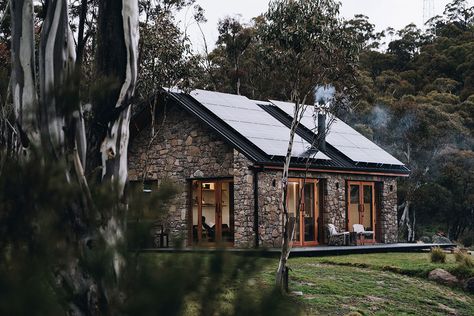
309 220
353 211
227 234
195 203
208 211
354 194
293 199
366 219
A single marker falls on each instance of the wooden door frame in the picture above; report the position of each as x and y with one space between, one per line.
301 182
361 185
218 209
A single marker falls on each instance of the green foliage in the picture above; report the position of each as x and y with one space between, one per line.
437 255
462 271
467 241
42 238
464 259
214 284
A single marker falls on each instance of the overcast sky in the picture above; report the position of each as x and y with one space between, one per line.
382 13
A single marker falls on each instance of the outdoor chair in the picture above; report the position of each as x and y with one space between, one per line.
160 236
336 238
361 232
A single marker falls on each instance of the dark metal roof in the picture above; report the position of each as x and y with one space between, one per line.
338 161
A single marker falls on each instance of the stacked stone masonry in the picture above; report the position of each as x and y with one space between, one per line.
184 149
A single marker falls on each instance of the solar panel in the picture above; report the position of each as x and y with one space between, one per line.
254 123
343 137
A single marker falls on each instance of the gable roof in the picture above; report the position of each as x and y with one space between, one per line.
260 131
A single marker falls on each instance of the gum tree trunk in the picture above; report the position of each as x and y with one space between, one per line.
23 72
288 222
118 28
55 124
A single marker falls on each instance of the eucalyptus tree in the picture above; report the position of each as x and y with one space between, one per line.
166 59
236 38
53 124
306 41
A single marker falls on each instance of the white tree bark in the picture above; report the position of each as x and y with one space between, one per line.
288 223
23 71
114 147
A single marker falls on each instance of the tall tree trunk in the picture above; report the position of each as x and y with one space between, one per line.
61 131
288 222
118 28
23 72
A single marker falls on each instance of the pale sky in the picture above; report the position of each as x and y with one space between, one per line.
382 13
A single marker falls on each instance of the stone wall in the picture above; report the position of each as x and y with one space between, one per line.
244 232
334 206
389 211
184 149
270 208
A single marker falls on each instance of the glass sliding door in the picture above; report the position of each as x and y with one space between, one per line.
367 214
354 205
309 212
302 202
293 211
361 205
212 214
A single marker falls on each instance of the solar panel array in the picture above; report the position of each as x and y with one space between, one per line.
254 123
343 137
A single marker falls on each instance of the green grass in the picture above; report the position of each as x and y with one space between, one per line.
338 290
412 264
374 284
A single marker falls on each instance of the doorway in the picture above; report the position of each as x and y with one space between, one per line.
361 205
212 213
305 193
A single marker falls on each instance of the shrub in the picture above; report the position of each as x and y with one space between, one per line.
437 255
462 271
464 259
468 241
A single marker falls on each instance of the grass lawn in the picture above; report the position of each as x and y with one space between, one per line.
372 284
412 264
337 290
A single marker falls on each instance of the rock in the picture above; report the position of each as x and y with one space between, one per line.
469 285
198 174
188 141
297 293
425 239
443 277
440 240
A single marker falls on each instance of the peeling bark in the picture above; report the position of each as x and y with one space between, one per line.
118 26
23 71
56 66
115 142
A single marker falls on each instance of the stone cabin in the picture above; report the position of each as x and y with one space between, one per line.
226 153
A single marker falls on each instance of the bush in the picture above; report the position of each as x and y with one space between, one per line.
462 271
437 255
467 241
464 259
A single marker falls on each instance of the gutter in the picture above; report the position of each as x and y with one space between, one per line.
277 166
